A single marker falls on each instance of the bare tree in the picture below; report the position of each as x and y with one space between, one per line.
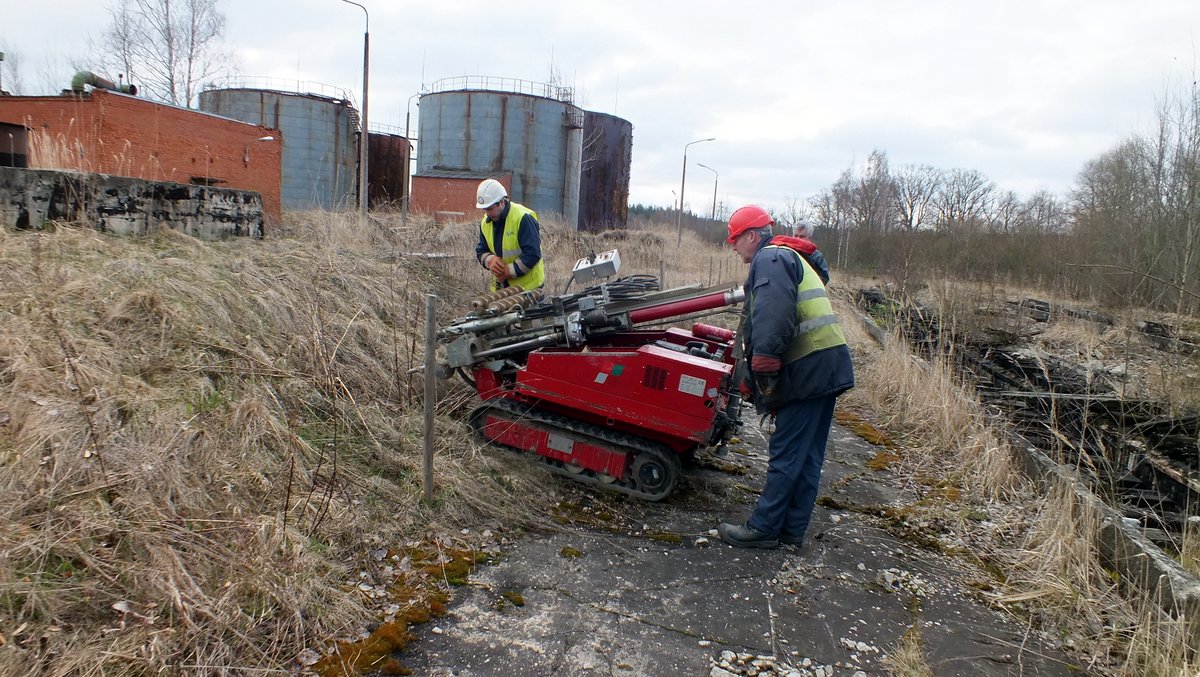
167 47
1111 221
1182 217
1137 207
1008 213
1044 214
873 195
914 191
794 211
964 200
10 71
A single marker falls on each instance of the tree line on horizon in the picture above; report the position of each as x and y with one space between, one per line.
1127 234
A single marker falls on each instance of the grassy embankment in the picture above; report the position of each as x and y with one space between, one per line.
210 452
1040 561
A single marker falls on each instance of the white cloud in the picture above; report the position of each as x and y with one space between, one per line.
1024 91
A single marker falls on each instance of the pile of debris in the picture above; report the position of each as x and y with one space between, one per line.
1139 453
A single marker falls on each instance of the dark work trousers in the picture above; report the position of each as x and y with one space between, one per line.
797 451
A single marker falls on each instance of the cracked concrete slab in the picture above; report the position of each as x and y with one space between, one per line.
650 592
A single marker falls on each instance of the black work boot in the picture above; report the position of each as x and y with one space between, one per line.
746 536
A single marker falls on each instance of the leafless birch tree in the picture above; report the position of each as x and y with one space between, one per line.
166 47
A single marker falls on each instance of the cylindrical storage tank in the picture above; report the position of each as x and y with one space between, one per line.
320 141
387 169
535 138
604 182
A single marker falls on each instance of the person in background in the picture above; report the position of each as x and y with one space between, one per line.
803 231
510 239
798 364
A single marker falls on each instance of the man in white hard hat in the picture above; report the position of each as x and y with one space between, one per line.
510 240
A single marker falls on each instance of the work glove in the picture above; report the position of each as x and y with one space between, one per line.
497 267
765 364
747 394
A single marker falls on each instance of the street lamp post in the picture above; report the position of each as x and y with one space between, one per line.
409 158
716 176
408 113
364 139
682 183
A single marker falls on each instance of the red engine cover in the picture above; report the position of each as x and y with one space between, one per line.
648 390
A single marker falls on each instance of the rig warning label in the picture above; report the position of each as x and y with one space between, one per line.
691 385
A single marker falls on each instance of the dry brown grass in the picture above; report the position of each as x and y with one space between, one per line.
944 425
201 442
56 151
1041 548
1189 546
908 658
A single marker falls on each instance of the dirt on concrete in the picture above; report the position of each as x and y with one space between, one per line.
624 587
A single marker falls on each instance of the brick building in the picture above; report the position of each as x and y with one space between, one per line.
443 190
111 133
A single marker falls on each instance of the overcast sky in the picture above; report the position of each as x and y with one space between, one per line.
794 91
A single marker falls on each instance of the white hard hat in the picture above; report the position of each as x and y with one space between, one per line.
490 192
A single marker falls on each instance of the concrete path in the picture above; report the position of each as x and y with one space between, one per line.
632 588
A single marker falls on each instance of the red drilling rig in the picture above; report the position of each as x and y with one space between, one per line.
583 382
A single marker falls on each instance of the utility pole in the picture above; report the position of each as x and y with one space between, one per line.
408 157
715 178
682 183
364 138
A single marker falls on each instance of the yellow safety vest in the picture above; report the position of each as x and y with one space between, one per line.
817 327
536 276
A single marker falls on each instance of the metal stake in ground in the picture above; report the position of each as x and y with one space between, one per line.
430 389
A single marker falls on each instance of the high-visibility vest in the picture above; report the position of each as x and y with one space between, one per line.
536 276
817 327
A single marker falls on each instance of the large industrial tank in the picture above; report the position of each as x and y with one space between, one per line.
491 126
387 168
320 140
604 180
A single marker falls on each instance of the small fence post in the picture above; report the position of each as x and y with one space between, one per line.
430 390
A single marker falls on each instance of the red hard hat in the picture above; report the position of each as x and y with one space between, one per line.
747 218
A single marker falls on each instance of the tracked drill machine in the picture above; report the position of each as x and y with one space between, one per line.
583 382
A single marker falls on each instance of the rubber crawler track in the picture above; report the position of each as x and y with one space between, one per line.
643 450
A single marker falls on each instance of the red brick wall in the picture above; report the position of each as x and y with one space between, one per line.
112 133
437 194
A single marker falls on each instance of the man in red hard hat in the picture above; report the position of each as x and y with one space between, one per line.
798 365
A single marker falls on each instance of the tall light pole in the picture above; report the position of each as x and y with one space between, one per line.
716 176
408 113
409 159
364 139
682 183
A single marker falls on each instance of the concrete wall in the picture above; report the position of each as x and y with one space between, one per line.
110 133
31 198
